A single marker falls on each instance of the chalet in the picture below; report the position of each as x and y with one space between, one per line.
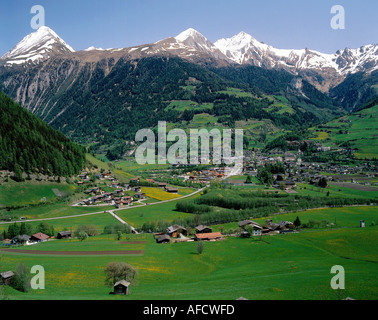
175 230
126 202
64 235
22 239
203 229
134 180
150 180
126 187
136 189
39 237
289 184
162 184
140 196
6 277
163 238
282 225
208 236
121 287
245 223
171 190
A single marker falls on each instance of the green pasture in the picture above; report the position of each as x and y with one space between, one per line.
32 192
282 267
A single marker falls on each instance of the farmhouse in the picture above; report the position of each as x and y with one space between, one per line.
208 236
22 239
122 287
175 230
162 185
136 189
245 223
140 196
6 277
39 237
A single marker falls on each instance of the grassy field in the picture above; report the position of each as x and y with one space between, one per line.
54 210
164 211
335 191
99 220
291 266
31 192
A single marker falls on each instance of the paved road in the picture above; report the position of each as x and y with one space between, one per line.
110 211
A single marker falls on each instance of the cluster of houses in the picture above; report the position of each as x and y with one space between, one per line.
204 176
116 198
205 233
179 233
39 237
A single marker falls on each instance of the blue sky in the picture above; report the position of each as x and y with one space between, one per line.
289 24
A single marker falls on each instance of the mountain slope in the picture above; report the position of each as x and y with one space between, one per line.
357 131
30 145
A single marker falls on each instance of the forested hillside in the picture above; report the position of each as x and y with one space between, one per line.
104 104
27 144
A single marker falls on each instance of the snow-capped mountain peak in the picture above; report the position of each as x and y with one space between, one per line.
193 38
38 45
245 49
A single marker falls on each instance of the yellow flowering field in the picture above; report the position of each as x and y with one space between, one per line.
159 194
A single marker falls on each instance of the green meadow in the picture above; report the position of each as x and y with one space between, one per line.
32 192
99 220
335 191
291 266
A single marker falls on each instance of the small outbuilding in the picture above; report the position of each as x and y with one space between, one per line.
164 238
64 235
122 287
6 277
203 229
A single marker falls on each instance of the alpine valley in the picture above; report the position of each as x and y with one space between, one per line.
83 220
102 97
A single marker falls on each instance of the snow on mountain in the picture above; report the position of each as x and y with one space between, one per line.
244 49
93 49
192 45
37 45
192 38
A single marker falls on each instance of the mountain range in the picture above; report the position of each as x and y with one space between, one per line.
102 95
241 49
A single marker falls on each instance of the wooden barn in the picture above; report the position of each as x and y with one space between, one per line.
203 229
122 287
175 230
6 277
163 238
64 235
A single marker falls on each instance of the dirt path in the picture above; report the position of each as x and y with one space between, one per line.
75 253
